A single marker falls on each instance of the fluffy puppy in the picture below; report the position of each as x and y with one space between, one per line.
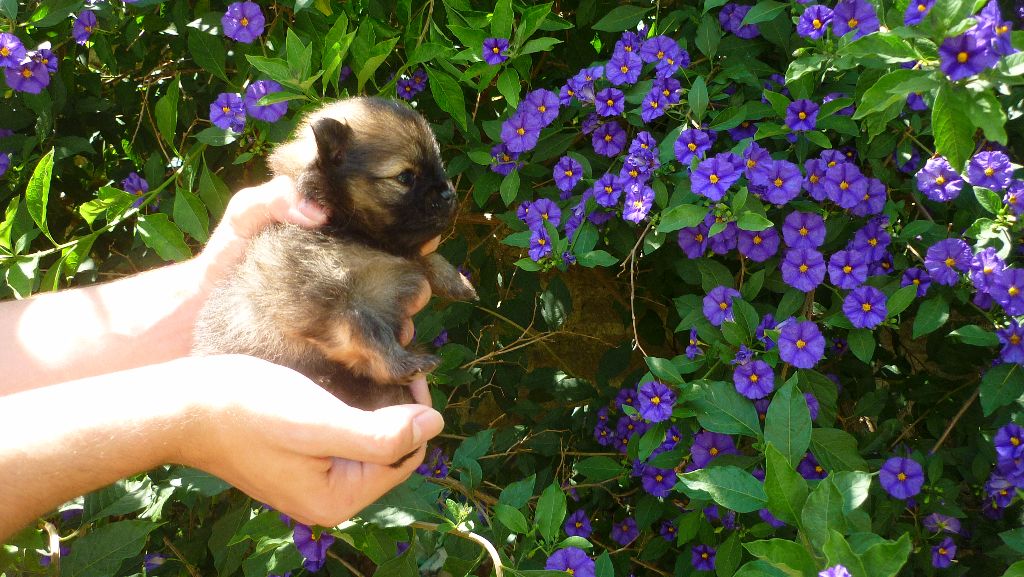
330 303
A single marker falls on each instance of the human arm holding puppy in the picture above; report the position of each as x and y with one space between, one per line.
263 428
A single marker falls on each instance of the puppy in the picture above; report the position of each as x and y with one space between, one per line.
330 303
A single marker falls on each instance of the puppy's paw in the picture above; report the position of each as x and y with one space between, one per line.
407 367
446 281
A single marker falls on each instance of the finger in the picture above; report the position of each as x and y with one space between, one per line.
420 391
421 300
355 485
407 332
430 246
382 436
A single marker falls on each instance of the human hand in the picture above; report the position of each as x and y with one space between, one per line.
287 442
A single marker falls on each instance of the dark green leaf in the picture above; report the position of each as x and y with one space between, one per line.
788 423
190 215
900 300
664 370
785 488
167 112
698 98
881 96
511 518
161 235
597 258
713 274
783 552
836 450
838 552
888 47
932 314
854 486
598 469
501 19
730 487
988 199
102 550
510 187
722 410
709 35
518 493
208 52
975 335
887 558
37 193
823 512
550 512
621 18
988 114
952 126
448 95
764 11
753 221
1001 385
682 216
862 344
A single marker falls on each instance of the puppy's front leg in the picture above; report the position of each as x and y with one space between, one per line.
446 281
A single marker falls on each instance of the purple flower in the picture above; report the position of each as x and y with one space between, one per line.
665 53
1001 490
707 445
503 161
802 115
901 477
943 553
813 406
693 346
715 175
653 106
856 15
835 571
814 21
669 87
916 103
609 139
758 246
693 240
871 240
521 131
270 112
814 181
783 180
1012 339
717 305
845 185
966 55
81 30
801 344
494 50
135 184
12 51
1009 443
809 468
638 201
757 162
726 240
542 104
803 268
945 258
873 200
916 11
567 173
1008 290
996 30
228 112
29 76
754 380
435 465
408 88
692 143
668 531
937 522
847 269
848 111
990 169
625 531
45 57
731 18
917 277
986 266
572 560
610 102
540 244
313 549
1014 197
938 181
767 323
770 519
746 129
865 307
803 230
152 561
654 401
658 482
623 67
243 22
5 162
578 524
703 558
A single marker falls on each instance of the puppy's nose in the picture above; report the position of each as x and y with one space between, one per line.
448 194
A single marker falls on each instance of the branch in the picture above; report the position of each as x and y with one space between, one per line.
491 551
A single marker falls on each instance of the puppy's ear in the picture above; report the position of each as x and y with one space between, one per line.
332 140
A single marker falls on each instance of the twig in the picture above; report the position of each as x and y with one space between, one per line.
956 418
921 417
491 551
54 540
631 257
188 567
343 561
649 567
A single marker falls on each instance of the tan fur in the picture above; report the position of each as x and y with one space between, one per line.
331 303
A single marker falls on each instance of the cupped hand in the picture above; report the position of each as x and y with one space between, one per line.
285 441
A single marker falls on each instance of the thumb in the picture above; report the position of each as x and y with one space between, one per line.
382 436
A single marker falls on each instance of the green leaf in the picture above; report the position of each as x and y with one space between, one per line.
900 300
539 45
799 67
713 274
759 568
988 114
888 47
550 512
709 35
862 343
215 136
854 486
510 187
1001 385
728 556
664 370
621 18
511 518
374 58
190 215
208 52
753 222
518 494
823 512
9 9
730 118
730 487
448 95
508 86
975 335
818 138
881 96
722 410
932 314
778 102
836 450
785 488
887 558
532 19
838 552
167 113
214 193
21 276
952 126
501 19
783 552
101 551
596 258
600 468
161 235
37 193
682 216
787 425
988 199
764 11
698 98
603 566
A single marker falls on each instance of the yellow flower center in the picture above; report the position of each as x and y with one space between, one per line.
655 400
817 24
844 185
989 171
496 50
1014 340
916 281
226 109
1002 29
26 73
803 268
610 102
942 550
520 131
1015 441
634 173
670 63
873 242
802 115
757 239
607 137
661 54
777 181
624 69
541 241
847 269
659 478
244 21
866 307
713 451
713 178
638 204
568 172
852 22
654 104
803 231
723 306
921 7
950 262
1013 291
704 556
754 378
5 51
699 237
902 476
692 147
505 158
940 180
608 189
961 57
544 216
814 179
542 108
800 343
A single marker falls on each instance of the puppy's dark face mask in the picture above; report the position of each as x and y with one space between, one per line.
380 178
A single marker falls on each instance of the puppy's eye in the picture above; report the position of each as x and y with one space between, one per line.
406 177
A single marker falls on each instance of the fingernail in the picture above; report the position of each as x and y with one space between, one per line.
425 426
310 211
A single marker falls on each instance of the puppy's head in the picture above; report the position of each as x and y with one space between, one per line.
375 167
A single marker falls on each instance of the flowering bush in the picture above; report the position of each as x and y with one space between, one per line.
750 275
